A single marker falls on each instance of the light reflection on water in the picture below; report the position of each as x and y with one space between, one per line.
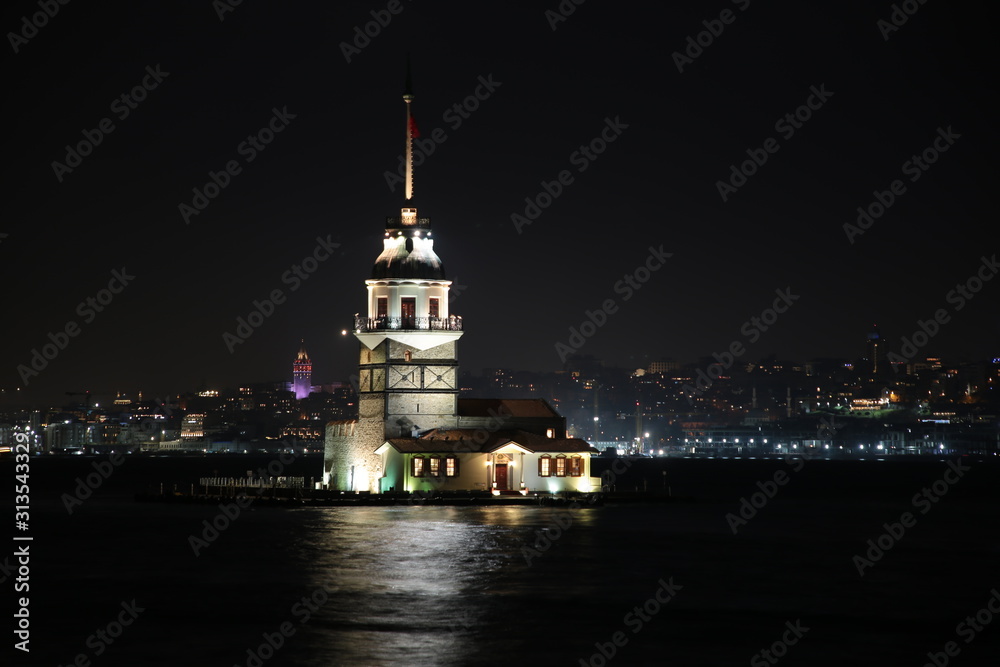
413 591
451 586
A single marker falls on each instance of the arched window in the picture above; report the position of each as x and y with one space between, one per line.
408 355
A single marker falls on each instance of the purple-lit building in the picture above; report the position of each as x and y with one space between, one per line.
302 374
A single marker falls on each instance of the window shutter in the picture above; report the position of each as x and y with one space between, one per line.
555 463
456 465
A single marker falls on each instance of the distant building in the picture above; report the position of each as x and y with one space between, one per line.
301 374
663 366
193 426
67 436
875 355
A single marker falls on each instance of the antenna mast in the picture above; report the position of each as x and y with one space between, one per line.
410 132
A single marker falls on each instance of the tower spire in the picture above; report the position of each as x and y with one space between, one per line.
411 130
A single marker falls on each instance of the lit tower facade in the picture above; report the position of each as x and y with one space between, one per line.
874 352
408 365
302 373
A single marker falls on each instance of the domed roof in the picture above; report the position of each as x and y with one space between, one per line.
406 257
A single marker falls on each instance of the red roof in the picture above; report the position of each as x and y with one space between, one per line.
512 407
472 440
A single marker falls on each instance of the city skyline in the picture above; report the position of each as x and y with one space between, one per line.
650 238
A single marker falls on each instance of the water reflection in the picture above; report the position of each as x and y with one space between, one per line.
413 585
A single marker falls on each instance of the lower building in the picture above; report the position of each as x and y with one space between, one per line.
474 460
501 445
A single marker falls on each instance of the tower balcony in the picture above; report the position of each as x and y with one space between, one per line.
371 324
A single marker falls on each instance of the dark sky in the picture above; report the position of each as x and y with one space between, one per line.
656 184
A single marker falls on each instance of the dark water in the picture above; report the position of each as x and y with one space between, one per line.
452 586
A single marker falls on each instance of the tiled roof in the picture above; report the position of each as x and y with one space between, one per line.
514 407
471 440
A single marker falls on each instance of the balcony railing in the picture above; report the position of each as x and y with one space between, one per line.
453 323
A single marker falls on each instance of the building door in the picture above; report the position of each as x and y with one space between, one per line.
501 472
408 310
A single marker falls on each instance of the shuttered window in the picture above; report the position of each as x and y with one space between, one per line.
544 466
576 467
561 466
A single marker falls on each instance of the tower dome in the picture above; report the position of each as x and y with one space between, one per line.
408 250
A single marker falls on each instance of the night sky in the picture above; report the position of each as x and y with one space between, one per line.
554 91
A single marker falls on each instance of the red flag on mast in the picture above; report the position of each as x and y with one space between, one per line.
414 132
